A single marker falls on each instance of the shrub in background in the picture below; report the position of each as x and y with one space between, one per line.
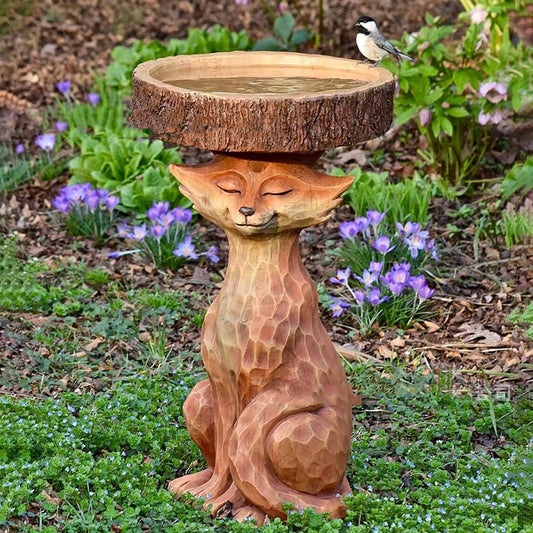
384 278
217 39
134 169
460 92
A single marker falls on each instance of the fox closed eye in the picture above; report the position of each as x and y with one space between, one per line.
228 190
282 193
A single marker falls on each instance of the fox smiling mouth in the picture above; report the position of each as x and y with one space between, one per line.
262 225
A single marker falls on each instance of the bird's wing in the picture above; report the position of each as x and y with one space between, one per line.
386 45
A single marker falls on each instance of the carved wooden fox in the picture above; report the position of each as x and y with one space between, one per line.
274 418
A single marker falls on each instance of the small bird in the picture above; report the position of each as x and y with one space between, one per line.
372 44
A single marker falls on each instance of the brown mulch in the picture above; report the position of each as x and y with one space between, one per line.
57 40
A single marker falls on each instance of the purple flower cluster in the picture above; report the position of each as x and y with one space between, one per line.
393 269
165 235
84 195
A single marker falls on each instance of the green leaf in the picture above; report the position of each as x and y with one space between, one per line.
406 116
457 112
300 36
446 126
283 27
520 176
268 43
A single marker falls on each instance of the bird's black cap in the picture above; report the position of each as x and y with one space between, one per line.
364 18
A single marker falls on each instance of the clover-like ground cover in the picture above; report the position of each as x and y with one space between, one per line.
422 459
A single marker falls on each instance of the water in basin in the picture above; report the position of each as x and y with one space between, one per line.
269 85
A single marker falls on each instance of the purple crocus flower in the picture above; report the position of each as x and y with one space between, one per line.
111 201
359 297
139 232
242 2
186 249
399 276
417 282
337 307
416 242
374 217
46 141
181 215
367 278
92 199
76 193
348 229
93 98
212 254
114 255
63 87
19 148
425 116
61 202
375 266
409 228
374 297
157 210
167 219
493 91
362 224
123 230
157 231
342 276
61 126
425 292
382 244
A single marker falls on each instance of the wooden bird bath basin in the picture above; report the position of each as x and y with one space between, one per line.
273 419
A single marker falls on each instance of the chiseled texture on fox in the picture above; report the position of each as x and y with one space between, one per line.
274 418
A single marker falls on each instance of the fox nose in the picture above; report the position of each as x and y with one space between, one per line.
247 211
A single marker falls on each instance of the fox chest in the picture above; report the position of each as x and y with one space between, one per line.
250 333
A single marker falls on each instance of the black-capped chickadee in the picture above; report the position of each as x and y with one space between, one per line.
372 44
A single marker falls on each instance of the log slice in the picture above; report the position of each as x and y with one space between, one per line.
345 102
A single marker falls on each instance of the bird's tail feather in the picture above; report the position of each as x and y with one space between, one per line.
401 55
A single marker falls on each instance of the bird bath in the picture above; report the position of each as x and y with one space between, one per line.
273 419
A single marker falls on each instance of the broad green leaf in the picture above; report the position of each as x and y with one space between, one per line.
283 27
519 177
446 125
457 112
268 43
406 115
300 36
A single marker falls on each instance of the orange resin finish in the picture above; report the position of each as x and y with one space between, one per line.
273 420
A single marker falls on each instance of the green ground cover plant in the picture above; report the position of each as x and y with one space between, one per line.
83 463
523 316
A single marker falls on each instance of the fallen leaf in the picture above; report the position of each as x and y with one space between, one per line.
476 332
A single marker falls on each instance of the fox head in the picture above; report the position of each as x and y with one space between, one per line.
255 197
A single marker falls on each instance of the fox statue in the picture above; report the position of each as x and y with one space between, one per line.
273 420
